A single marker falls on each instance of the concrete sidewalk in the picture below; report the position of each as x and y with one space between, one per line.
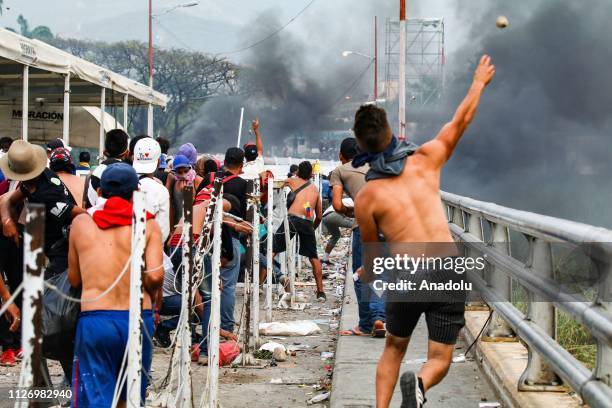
355 368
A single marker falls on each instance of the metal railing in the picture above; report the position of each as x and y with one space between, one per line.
485 230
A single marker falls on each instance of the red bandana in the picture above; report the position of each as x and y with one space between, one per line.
116 212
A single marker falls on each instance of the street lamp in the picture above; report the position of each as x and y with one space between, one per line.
151 15
374 58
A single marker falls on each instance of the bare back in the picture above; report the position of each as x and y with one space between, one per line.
309 195
75 185
407 208
101 255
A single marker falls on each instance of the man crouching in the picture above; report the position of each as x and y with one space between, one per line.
99 250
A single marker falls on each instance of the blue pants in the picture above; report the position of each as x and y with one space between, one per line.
371 306
229 277
171 306
100 343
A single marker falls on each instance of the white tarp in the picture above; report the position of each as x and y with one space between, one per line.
18 51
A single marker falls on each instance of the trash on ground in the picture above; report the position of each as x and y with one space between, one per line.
326 354
489 404
292 328
271 346
318 398
459 359
280 354
228 351
276 381
298 347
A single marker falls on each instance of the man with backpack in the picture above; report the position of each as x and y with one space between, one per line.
305 214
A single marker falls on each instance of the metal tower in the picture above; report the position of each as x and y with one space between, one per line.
424 60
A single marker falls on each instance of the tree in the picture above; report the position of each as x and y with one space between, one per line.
188 78
42 33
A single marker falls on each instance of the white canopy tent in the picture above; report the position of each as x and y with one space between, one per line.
33 73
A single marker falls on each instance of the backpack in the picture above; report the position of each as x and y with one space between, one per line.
293 194
206 192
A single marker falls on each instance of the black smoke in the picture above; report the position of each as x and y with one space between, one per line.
283 84
542 138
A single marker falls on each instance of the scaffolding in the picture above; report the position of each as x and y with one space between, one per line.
424 60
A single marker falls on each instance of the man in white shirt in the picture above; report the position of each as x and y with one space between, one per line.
253 154
146 159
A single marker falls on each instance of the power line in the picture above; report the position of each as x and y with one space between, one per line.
271 34
353 84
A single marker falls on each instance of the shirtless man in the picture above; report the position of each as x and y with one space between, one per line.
102 329
414 198
307 204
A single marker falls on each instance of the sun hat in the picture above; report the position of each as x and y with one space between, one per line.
24 161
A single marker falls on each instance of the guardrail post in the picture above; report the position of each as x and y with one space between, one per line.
269 259
539 375
474 227
498 329
33 286
187 283
253 216
603 367
134 366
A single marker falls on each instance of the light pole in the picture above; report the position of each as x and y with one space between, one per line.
374 58
402 72
151 15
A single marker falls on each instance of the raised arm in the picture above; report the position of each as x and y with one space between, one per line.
440 149
258 142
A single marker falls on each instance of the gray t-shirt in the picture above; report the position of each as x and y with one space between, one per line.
350 178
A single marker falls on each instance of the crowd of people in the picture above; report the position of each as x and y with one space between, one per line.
87 240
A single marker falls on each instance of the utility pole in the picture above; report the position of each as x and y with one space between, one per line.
375 59
402 72
150 110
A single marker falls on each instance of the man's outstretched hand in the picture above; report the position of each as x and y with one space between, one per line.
485 71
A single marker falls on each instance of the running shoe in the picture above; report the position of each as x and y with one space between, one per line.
412 396
8 358
321 297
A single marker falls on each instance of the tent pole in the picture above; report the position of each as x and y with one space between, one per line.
25 106
66 130
102 107
150 121
125 112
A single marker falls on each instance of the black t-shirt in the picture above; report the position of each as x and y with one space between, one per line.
237 187
161 175
58 203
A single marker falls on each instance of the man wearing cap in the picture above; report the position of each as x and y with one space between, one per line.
253 154
102 330
55 144
27 163
61 164
115 150
147 153
84 159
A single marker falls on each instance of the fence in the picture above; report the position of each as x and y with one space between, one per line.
486 229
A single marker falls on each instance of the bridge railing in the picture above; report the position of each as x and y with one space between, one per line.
485 229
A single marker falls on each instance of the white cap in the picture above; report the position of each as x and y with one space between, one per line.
146 156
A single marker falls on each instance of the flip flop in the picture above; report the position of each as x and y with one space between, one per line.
380 332
352 332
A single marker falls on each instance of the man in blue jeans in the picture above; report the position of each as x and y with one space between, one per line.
346 179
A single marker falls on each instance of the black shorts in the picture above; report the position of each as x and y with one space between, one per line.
307 242
444 320
444 310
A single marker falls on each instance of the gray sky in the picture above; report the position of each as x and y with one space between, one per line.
216 26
